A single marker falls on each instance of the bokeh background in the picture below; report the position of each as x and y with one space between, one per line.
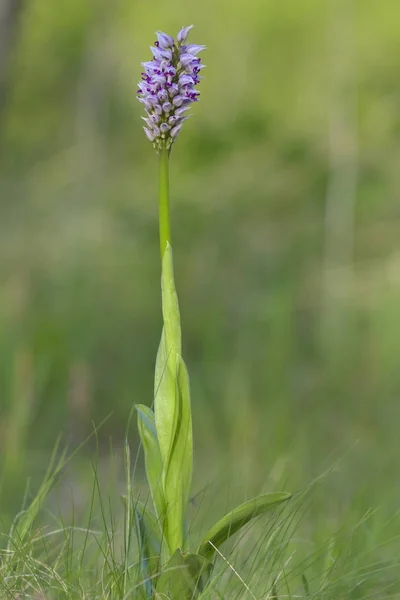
286 219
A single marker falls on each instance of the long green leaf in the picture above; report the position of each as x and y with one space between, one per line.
178 471
153 460
165 397
236 519
172 411
166 364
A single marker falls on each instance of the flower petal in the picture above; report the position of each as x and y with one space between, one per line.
179 100
173 90
149 134
150 65
165 40
162 95
187 59
183 34
193 49
185 79
160 53
174 132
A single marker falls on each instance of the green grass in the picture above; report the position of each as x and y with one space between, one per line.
286 379
81 549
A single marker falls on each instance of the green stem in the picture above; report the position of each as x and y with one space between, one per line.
165 229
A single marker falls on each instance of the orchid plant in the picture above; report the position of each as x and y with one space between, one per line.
171 567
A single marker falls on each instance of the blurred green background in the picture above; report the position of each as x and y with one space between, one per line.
286 219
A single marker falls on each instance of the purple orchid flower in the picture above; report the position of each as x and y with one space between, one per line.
168 85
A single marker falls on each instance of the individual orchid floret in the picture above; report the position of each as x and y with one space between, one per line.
167 88
164 40
183 34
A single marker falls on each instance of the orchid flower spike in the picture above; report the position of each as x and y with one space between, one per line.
167 88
